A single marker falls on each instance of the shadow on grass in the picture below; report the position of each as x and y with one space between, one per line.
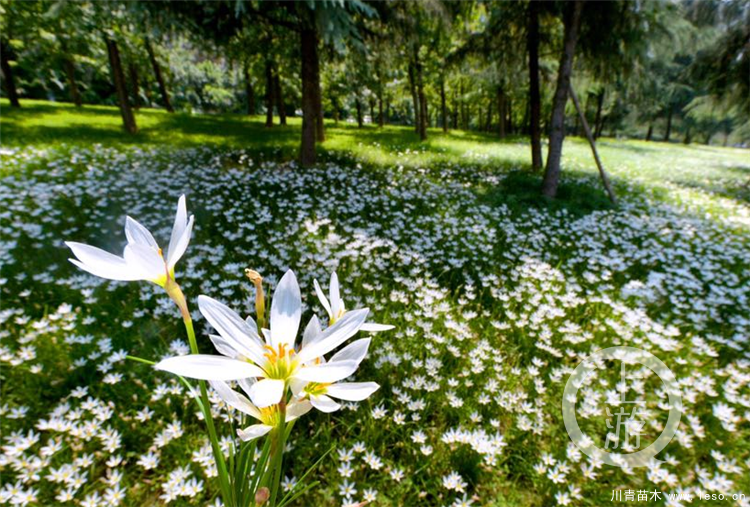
521 190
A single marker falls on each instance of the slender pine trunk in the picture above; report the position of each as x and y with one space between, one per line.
70 73
320 133
488 121
414 96
422 103
118 77
509 111
270 99
358 104
278 93
249 91
443 106
9 82
598 122
159 77
501 111
668 133
572 21
535 102
649 132
135 85
309 42
455 109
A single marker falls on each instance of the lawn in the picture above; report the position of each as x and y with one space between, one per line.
495 293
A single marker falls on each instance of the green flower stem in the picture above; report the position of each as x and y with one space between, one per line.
278 457
218 456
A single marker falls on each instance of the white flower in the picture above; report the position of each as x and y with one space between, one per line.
269 417
142 258
334 305
273 359
320 393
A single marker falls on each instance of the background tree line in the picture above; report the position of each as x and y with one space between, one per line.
671 71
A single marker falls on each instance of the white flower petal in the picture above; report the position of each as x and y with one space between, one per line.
297 409
352 391
146 260
323 299
375 328
175 251
334 336
237 333
234 399
139 235
355 351
313 332
267 392
337 305
253 432
324 403
286 311
326 373
180 223
207 367
101 263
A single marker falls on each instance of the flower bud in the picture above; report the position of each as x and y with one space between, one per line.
260 299
261 496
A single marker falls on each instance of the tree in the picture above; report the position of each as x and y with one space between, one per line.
535 105
571 21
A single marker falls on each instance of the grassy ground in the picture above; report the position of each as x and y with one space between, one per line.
496 294
697 169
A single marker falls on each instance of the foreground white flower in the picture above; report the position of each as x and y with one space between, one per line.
320 394
142 258
334 305
269 417
273 360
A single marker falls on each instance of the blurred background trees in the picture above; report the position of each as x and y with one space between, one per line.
672 71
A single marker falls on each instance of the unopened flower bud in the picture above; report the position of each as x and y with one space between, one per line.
261 496
260 299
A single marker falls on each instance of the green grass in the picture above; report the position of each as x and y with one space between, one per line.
698 171
683 217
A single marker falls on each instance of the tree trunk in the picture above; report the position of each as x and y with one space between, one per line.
464 116
159 78
414 97
135 85
70 73
650 132
598 123
572 21
358 103
278 94
455 109
688 136
443 106
669 124
509 109
249 91
488 124
320 133
422 103
270 99
128 120
8 80
381 119
590 137
309 47
501 110
535 102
